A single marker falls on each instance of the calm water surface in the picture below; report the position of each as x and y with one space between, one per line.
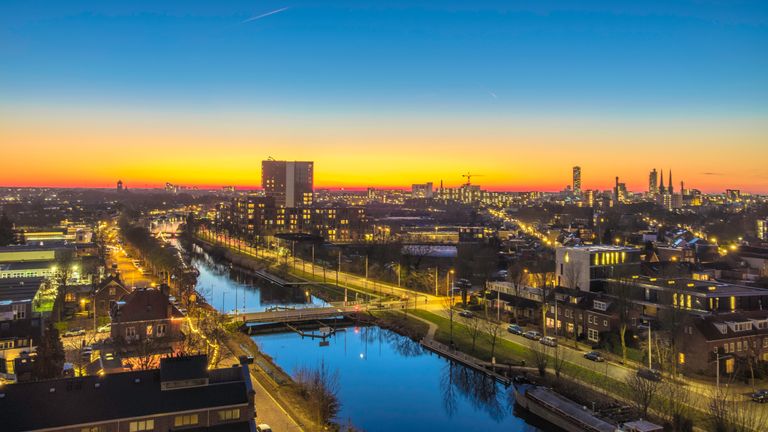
228 288
387 382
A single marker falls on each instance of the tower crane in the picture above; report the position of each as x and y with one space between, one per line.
469 176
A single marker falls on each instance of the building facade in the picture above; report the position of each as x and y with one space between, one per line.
291 184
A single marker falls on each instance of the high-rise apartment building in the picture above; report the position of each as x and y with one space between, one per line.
289 183
762 229
653 182
576 180
424 190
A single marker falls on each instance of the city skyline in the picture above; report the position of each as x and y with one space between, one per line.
385 95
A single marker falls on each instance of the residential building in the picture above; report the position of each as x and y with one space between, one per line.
106 294
146 314
181 394
289 183
424 190
260 216
20 324
762 229
577 180
578 266
653 183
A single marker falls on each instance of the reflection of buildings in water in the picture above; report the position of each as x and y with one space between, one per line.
275 294
270 293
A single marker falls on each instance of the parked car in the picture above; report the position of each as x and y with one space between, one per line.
104 329
649 374
548 341
263 428
532 334
73 333
466 314
760 396
515 329
594 356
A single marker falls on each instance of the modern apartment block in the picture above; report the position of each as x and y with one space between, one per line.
289 183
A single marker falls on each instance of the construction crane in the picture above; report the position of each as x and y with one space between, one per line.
469 176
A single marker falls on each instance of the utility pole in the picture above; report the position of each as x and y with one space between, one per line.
435 281
313 260
498 305
366 271
649 346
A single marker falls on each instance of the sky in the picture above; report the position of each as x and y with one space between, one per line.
385 94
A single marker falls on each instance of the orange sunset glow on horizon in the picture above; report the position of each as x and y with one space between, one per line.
516 153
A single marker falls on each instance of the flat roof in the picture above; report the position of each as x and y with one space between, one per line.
92 399
25 265
708 288
19 289
601 248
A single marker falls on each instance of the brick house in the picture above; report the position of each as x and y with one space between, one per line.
146 314
106 293
735 337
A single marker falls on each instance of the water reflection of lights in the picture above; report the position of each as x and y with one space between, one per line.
362 356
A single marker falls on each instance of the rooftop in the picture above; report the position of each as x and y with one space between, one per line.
112 396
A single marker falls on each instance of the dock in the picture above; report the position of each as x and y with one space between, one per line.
464 359
559 410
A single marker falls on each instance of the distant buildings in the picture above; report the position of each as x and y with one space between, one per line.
289 183
577 180
119 185
762 229
181 394
424 190
653 183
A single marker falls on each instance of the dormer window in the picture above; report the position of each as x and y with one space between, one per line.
600 305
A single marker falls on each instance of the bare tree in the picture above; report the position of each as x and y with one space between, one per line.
540 356
517 275
493 330
642 392
675 406
447 303
473 326
559 359
320 388
730 412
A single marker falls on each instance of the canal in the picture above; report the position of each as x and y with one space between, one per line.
386 381
229 288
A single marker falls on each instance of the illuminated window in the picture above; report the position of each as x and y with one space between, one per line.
681 358
141 425
729 365
688 301
733 303
185 420
231 414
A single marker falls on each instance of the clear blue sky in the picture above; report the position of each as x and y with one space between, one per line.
700 55
405 61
